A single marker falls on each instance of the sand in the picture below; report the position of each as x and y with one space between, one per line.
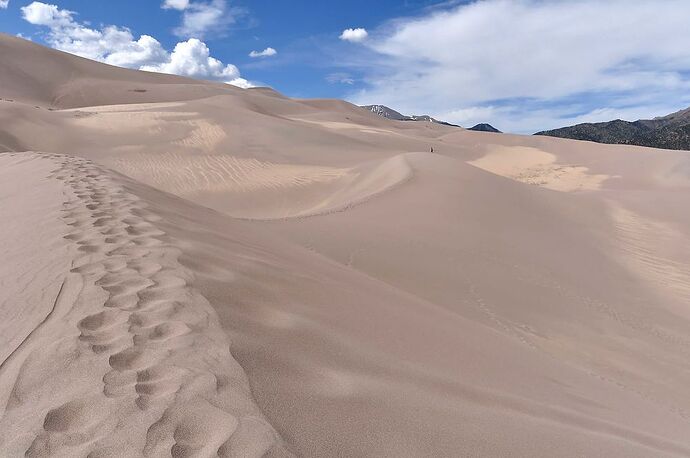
200 270
538 167
129 359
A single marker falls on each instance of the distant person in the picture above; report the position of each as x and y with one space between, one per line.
432 149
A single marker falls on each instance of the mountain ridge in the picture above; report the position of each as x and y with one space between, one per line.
485 127
390 113
666 132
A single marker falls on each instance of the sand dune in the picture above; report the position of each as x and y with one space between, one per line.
537 167
253 189
60 80
144 366
145 264
199 270
657 251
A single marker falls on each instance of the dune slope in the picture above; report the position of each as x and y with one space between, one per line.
125 358
135 306
199 270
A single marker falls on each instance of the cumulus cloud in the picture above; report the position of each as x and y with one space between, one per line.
354 35
118 46
513 56
268 52
180 5
44 14
192 58
4 4
112 45
241 82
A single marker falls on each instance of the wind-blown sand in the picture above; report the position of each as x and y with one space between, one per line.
199 270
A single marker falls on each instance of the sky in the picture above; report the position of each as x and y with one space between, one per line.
521 65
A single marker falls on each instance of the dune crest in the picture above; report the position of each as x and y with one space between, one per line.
254 189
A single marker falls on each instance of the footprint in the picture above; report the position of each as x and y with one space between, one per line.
194 428
73 424
253 438
132 358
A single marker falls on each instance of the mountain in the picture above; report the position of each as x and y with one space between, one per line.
390 113
667 132
483 127
386 112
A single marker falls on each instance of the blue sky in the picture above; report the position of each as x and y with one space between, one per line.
303 31
522 65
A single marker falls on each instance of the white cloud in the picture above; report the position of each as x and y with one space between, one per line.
180 5
192 58
354 35
201 18
4 4
340 77
469 116
268 52
523 53
241 82
49 15
117 46
111 44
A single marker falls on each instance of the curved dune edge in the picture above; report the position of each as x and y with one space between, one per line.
258 190
122 339
534 166
359 186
